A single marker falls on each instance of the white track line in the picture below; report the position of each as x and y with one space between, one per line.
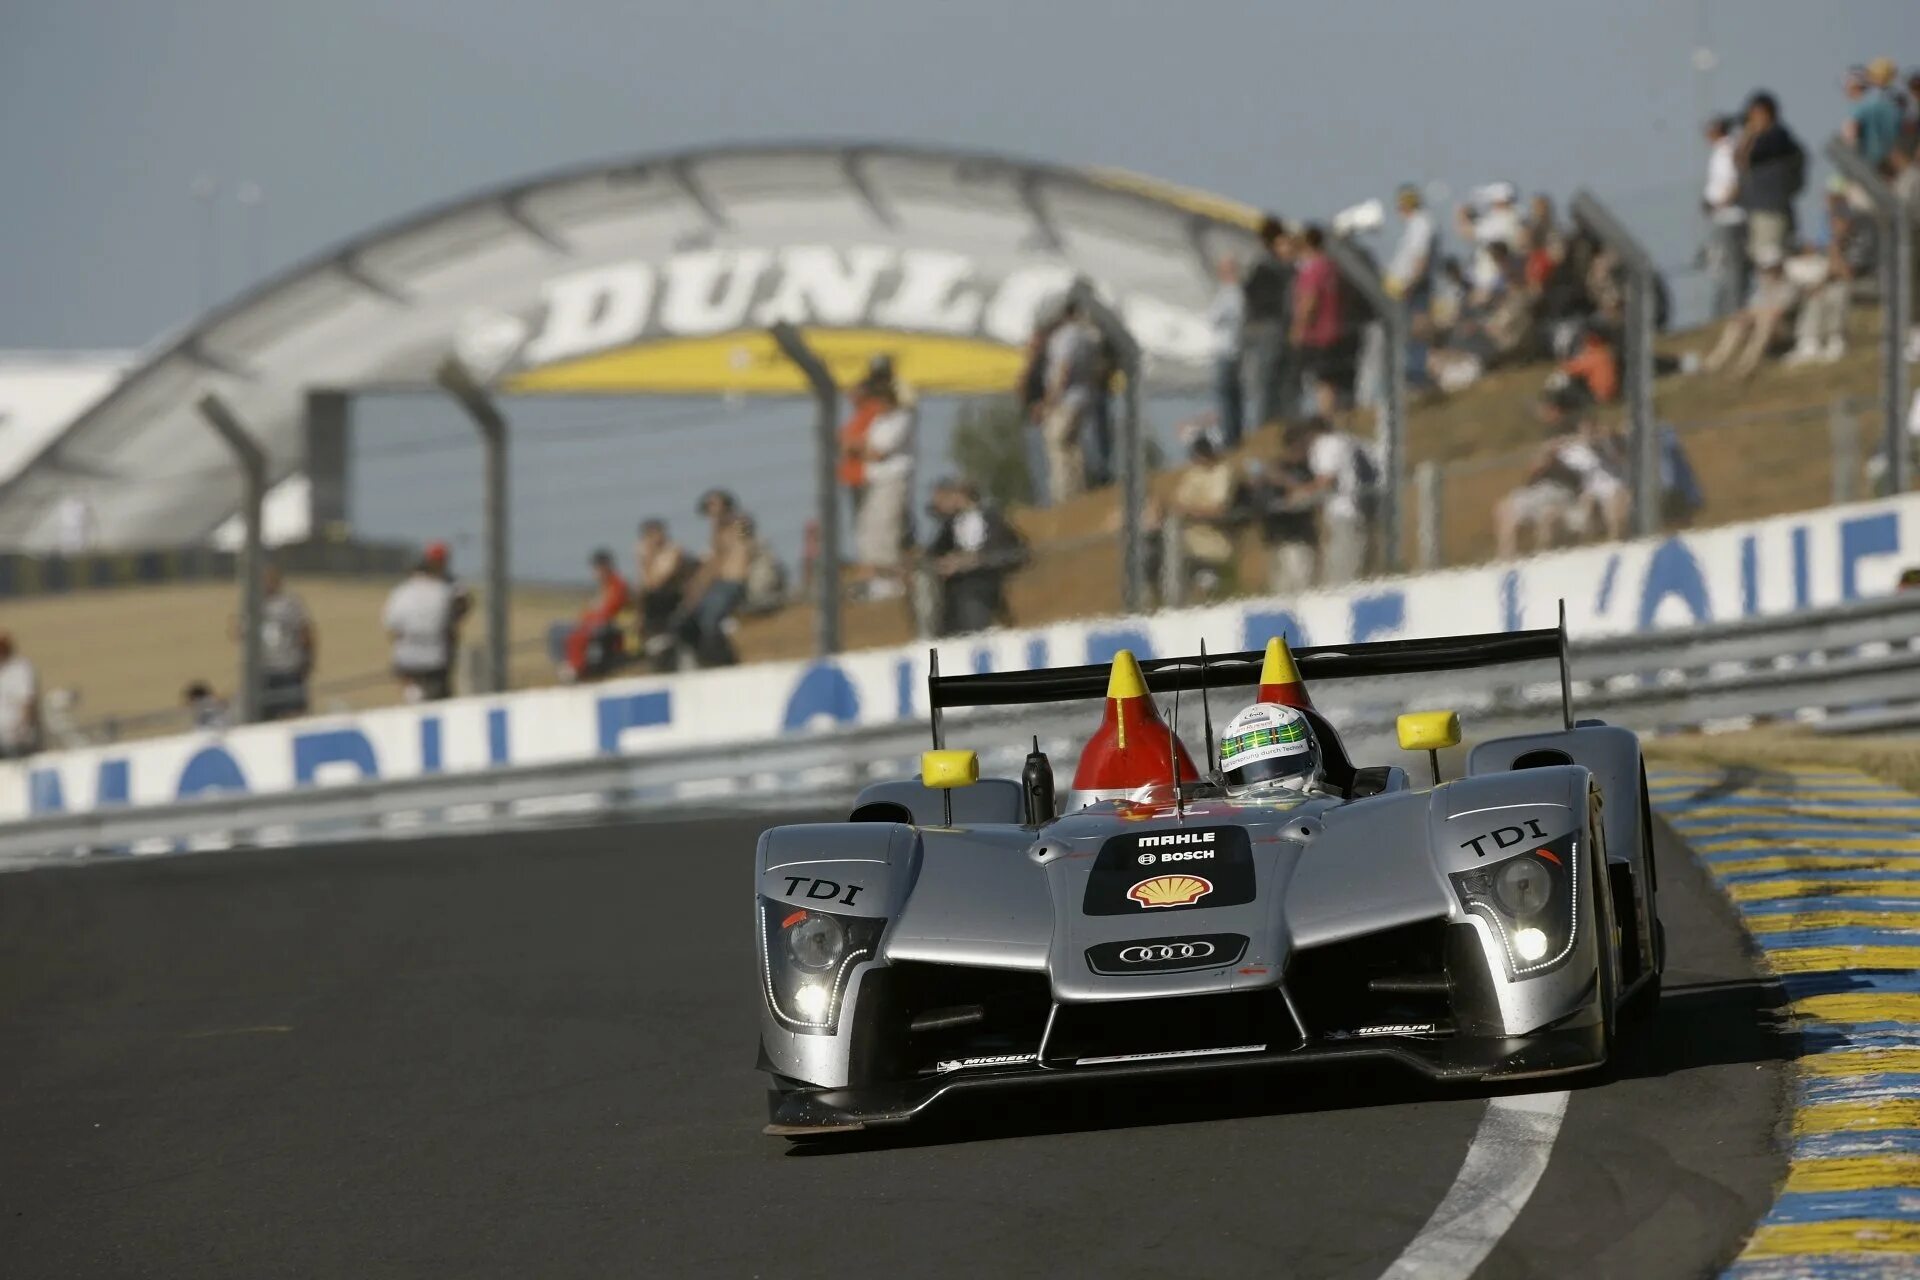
1504 1162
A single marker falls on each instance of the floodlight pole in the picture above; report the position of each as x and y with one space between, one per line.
249 697
1636 356
1896 301
1392 433
1133 445
826 569
457 381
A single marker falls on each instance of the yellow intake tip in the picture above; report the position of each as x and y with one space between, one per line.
1126 680
1277 667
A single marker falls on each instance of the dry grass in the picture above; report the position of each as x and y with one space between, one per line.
1894 760
132 650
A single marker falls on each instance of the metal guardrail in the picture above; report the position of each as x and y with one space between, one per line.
1854 668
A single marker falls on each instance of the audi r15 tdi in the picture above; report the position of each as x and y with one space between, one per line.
960 933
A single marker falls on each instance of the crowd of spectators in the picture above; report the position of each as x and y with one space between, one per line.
680 610
1785 290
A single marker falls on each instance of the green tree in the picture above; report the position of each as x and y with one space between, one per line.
990 449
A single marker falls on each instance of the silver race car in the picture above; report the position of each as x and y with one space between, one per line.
961 933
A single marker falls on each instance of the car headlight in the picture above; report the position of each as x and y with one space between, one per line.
817 942
1523 886
1530 902
806 958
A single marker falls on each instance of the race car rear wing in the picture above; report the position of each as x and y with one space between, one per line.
1242 670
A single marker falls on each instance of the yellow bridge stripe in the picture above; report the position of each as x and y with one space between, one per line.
1863 1006
1841 1235
1827 959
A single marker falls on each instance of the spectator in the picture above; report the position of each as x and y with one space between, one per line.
1283 494
853 434
1751 333
1903 177
1545 499
1226 316
1343 479
1773 169
717 591
440 560
1203 498
419 619
1680 495
1872 126
1268 289
663 570
594 645
880 527
1595 366
1852 251
1491 218
1726 248
1597 457
287 649
74 525
1326 349
1910 113
207 710
1073 380
19 702
1409 274
766 576
973 551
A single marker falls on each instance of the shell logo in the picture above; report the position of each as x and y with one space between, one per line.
1171 891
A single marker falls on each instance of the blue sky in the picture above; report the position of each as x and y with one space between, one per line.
352 112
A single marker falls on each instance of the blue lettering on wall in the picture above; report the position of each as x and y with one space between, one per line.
1861 537
1510 600
112 785
1378 615
1036 653
1262 625
314 751
1102 645
1607 578
1672 571
903 690
982 661
211 768
823 690
498 749
429 744
627 711
1749 576
1800 592
43 792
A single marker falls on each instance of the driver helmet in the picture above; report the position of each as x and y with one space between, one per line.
1269 747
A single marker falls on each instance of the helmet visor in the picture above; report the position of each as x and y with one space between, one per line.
1272 769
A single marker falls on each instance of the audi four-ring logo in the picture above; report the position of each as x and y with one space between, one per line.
1166 951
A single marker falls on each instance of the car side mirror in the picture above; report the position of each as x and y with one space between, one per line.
1429 731
945 770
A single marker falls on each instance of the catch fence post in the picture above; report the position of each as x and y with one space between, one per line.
250 697
826 480
1636 355
458 382
1391 433
1896 304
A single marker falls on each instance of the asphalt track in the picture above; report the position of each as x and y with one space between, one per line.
531 1055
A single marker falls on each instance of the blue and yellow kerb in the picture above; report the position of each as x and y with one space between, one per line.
1824 867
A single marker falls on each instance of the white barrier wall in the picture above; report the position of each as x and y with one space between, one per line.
1717 575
